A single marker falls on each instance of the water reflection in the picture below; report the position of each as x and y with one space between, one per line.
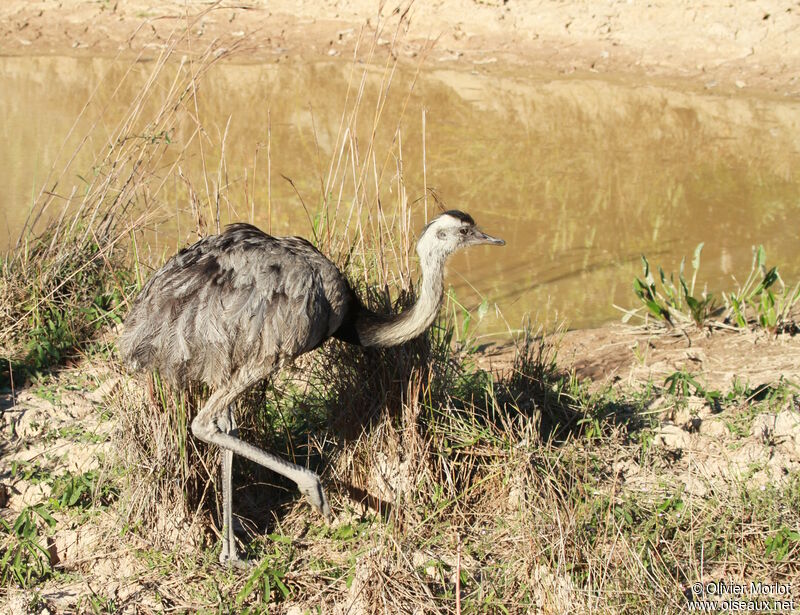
578 176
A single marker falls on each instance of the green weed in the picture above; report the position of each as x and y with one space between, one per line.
99 605
29 471
672 301
780 544
763 299
682 384
267 579
68 490
24 560
758 300
81 491
65 293
75 433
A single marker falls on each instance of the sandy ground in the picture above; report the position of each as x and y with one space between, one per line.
60 427
717 42
625 356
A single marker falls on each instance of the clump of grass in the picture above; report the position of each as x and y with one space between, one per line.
169 473
674 302
27 553
70 273
763 300
427 453
58 291
24 557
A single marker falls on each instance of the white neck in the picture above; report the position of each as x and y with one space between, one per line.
381 331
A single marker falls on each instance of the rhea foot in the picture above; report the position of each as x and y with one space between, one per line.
311 487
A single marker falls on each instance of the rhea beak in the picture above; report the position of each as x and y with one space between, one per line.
481 237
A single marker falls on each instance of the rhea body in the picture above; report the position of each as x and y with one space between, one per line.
233 308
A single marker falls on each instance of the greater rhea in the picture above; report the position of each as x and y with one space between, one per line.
233 308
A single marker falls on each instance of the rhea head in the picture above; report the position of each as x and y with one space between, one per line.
448 232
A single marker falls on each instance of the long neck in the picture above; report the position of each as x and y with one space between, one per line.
390 330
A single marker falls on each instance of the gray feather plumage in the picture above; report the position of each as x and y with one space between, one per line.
239 300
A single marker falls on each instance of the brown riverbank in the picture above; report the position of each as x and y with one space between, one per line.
719 44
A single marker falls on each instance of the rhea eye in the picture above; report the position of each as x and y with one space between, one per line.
463 231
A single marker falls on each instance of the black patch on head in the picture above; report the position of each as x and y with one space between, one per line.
460 215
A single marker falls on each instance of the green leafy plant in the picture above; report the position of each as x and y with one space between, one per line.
681 384
464 327
269 574
29 471
781 543
68 490
671 300
763 294
23 559
95 603
80 491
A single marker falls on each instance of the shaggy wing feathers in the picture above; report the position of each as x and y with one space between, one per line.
239 300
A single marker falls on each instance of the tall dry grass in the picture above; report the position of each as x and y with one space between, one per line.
74 264
363 222
82 254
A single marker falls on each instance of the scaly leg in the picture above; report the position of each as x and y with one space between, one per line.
229 554
206 426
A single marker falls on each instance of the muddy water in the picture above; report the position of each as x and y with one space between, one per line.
580 176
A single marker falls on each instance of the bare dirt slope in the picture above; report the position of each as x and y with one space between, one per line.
61 427
719 43
627 355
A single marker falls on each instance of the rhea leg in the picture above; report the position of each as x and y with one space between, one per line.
206 426
228 554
